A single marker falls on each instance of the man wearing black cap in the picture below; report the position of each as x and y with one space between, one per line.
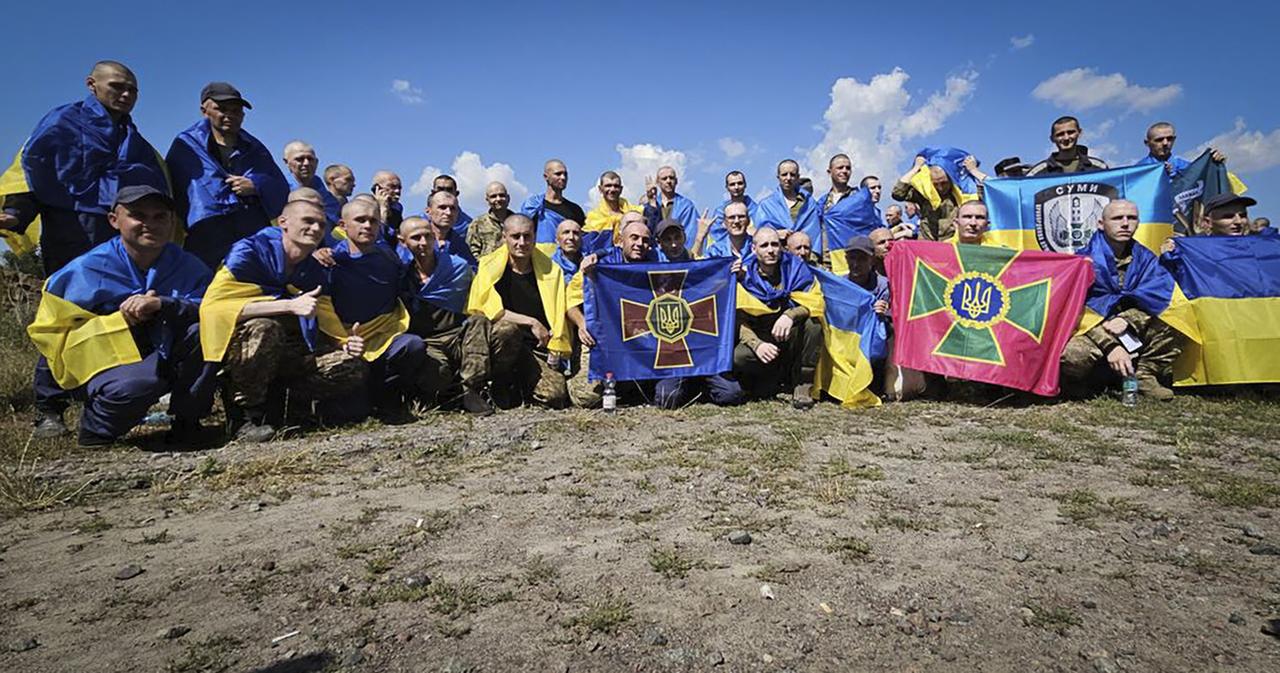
1227 215
671 240
117 326
226 183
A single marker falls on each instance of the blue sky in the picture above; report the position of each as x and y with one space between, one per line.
496 88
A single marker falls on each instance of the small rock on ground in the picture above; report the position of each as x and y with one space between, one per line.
173 632
129 572
739 537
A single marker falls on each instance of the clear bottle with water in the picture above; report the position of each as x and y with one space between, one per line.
1129 391
610 399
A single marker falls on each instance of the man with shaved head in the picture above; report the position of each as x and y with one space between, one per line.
364 284
1159 141
447 183
663 202
225 181
261 319
386 190
68 171
778 341
798 244
301 161
568 252
1128 339
340 181
67 175
789 207
549 209
735 184
484 235
516 336
434 291
635 245
972 223
442 210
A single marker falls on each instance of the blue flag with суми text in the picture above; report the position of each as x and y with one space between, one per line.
661 320
1060 212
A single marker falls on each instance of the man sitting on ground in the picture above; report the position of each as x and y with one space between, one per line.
434 291
780 343
517 333
365 286
1130 339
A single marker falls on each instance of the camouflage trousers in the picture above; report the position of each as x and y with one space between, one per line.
264 351
499 352
439 379
1085 365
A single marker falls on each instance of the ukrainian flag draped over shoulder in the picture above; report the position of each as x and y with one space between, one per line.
546 220
78 326
774 212
254 270
684 212
200 180
448 285
844 370
485 300
601 228
107 155
851 335
365 289
1147 286
14 181
1060 212
950 160
853 215
1233 285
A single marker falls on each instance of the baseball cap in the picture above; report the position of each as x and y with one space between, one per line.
665 225
135 193
221 91
1226 199
860 244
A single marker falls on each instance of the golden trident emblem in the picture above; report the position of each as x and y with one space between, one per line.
669 318
976 300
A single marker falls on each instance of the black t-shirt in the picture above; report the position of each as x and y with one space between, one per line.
519 292
568 210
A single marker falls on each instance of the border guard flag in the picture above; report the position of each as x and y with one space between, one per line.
1233 284
661 320
985 313
1059 213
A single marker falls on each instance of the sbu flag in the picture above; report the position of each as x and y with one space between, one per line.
985 313
660 320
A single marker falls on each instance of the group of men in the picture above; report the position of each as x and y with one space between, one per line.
214 270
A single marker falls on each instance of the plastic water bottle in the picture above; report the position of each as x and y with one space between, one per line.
1129 391
610 400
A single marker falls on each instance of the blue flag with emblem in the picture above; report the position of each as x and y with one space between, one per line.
661 320
1060 212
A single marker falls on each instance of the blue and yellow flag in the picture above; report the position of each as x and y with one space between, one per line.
14 181
1060 212
844 369
1233 285
951 161
661 320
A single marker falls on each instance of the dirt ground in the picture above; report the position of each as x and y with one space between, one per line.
912 537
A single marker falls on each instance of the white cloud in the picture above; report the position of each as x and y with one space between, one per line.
640 161
1246 150
732 147
1022 42
1084 88
872 121
473 176
406 92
